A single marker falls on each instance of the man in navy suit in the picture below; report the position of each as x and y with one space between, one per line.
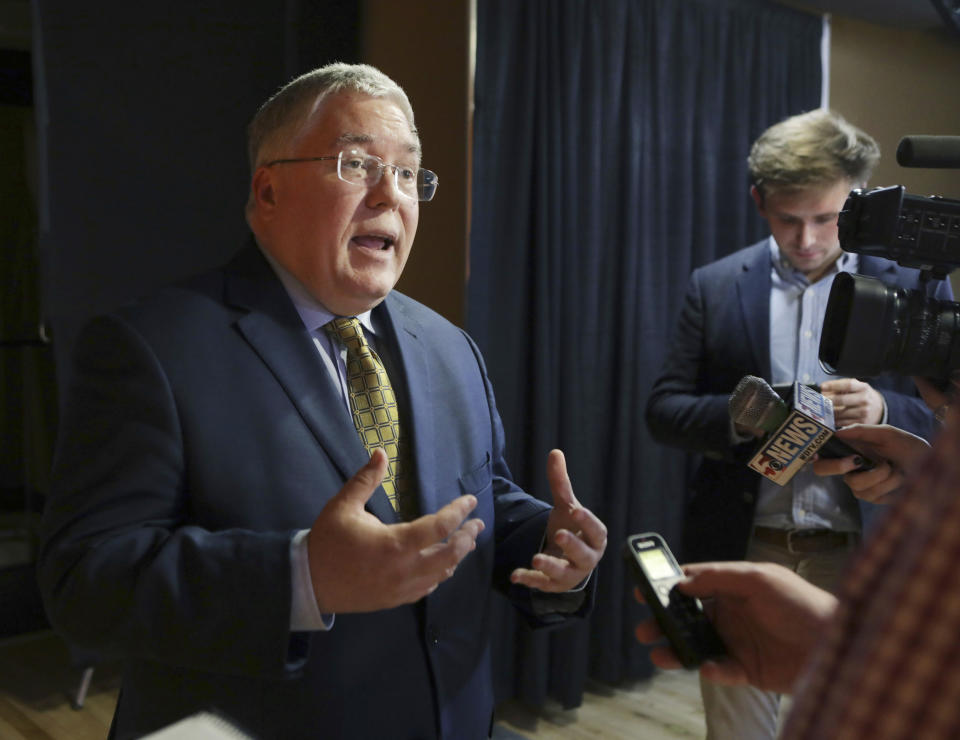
216 520
759 311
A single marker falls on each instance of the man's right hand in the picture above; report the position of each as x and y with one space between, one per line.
769 618
360 564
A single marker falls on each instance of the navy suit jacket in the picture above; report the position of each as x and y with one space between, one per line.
199 433
723 334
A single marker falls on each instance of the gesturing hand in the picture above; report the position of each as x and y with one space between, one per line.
575 538
360 564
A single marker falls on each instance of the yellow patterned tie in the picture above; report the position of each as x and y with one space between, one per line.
374 408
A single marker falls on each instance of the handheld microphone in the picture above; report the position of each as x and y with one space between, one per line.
794 433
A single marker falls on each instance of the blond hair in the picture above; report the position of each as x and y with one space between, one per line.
811 149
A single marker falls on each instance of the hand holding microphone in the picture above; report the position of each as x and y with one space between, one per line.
795 433
898 451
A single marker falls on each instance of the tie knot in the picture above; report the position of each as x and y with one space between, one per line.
348 331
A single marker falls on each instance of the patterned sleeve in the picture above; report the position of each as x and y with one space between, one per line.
889 667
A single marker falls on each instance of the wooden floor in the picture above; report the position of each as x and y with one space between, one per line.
37 679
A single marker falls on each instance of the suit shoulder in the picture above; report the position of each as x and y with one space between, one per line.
413 310
734 262
179 302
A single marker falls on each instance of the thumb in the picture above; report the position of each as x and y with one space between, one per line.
559 480
358 490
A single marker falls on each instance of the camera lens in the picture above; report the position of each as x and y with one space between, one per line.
870 328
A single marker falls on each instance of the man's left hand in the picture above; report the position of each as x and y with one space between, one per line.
575 538
854 402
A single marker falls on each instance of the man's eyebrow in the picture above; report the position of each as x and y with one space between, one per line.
354 139
350 138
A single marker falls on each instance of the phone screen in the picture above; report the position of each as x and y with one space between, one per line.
657 564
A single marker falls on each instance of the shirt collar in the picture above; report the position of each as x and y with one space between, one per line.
846 262
313 313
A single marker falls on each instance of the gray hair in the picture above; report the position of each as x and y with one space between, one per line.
281 117
815 148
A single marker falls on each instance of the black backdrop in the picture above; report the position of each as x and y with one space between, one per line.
609 160
141 115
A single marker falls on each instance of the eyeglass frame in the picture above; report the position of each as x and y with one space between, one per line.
431 182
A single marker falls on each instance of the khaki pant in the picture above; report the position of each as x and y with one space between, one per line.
746 713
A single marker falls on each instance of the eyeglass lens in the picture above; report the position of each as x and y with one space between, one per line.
359 168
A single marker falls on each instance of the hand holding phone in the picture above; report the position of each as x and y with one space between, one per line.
680 617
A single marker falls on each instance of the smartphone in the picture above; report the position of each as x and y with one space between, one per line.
681 617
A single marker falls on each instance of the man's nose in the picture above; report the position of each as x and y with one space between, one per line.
385 192
806 235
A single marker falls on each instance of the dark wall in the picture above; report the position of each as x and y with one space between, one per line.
141 112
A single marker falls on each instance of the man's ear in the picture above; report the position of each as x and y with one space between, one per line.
263 191
758 200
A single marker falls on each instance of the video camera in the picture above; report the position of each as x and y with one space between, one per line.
870 327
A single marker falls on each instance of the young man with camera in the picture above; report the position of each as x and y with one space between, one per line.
759 311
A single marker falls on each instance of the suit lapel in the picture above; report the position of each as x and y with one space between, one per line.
753 291
419 425
275 332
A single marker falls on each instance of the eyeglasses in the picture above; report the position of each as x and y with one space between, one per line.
359 168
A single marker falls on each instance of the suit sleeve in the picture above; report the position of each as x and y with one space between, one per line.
681 410
520 523
123 567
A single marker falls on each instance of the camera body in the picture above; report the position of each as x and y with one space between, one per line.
869 327
914 230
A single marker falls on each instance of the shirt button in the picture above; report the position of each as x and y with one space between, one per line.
801 513
807 334
433 635
806 377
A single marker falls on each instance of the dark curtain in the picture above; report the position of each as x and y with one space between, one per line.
609 160
142 111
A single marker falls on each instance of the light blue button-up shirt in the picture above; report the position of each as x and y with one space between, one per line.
797 307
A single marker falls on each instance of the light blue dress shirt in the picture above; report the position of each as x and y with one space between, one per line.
797 308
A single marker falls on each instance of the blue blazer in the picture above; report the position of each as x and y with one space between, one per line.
198 434
723 334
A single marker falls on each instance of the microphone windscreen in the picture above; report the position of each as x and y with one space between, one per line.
753 401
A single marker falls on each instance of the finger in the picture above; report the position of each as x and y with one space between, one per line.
827 466
879 435
874 485
837 387
733 578
540 580
559 480
432 528
648 632
724 672
559 569
576 550
439 556
638 595
358 490
592 531
663 657
439 561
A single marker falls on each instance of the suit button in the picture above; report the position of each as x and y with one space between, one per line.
433 635
748 496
